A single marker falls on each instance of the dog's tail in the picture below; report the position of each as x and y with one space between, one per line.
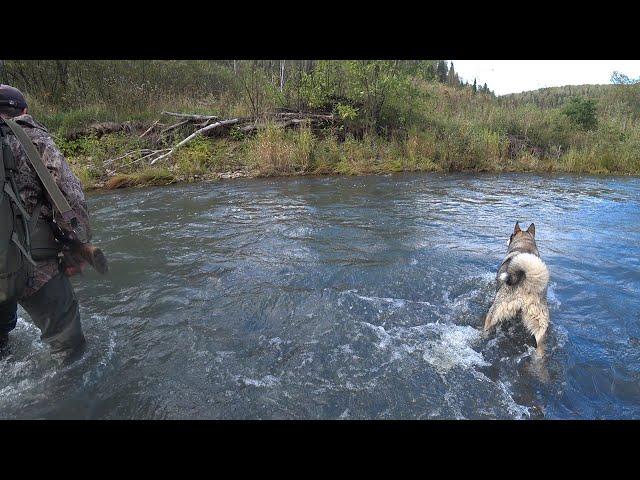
527 270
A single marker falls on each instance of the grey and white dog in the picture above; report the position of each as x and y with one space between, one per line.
522 286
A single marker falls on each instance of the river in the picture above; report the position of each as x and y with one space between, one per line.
345 298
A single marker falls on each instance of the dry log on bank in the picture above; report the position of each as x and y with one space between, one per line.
99 129
303 115
192 116
205 125
201 131
254 127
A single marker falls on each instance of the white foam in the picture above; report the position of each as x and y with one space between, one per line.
94 375
266 381
383 335
551 295
519 412
394 302
451 347
454 348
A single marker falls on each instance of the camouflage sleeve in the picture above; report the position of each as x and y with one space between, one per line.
68 183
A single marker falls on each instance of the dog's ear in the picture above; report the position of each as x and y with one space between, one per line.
532 230
517 228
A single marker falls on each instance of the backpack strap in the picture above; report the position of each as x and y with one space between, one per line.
3 165
2 172
9 191
45 176
6 177
26 254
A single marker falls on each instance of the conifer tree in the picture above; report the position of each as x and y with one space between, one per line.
441 71
452 76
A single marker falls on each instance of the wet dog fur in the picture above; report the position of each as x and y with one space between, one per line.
522 281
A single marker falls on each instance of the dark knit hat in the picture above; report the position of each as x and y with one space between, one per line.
12 97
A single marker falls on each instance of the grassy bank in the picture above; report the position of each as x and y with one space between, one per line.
457 132
391 116
278 152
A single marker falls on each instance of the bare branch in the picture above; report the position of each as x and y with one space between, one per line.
192 116
194 135
149 129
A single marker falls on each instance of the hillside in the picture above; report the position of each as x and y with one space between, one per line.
610 98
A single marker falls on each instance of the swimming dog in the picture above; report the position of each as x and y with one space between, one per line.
522 281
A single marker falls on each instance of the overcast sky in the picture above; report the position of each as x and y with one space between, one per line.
510 76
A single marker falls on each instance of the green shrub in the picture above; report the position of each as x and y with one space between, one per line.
581 112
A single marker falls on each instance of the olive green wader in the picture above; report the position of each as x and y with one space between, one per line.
54 310
54 307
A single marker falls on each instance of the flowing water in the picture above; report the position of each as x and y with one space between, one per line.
345 298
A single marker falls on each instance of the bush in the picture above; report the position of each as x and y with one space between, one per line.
581 112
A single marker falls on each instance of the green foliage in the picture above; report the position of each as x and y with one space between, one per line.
195 158
581 112
390 116
346 112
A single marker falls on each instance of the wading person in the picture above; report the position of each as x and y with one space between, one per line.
34 262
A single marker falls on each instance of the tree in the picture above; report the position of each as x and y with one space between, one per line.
619 78
252 80
581 112
282 66
441 71
474 89
430 72
372 82
451 76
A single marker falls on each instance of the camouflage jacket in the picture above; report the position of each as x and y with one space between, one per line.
32 191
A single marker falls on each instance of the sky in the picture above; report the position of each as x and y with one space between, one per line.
512 76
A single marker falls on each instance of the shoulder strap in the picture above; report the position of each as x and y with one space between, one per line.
7 181
2 173
45 176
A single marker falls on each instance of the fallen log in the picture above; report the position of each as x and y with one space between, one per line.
304 115
100 129
194 135
254 127
203 125
191 116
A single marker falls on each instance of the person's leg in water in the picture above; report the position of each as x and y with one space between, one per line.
8 320
54 309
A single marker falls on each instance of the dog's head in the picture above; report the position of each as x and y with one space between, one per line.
524 236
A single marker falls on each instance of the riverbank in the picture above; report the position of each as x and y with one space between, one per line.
101 163
290 118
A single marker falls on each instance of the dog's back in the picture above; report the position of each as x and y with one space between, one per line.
522 282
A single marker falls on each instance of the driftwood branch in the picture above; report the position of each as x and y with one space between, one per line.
149 129
191 116
174 126
194 135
